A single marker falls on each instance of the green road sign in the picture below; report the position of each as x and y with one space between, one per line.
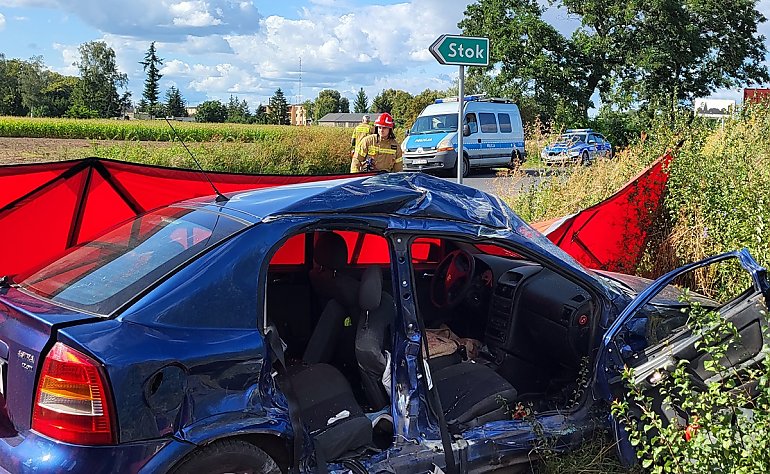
461 50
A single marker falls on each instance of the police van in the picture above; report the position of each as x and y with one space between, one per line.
492 129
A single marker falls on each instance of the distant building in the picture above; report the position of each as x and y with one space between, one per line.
298 115
756 95
344 120
191 111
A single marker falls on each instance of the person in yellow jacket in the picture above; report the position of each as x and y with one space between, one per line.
378 152
362 130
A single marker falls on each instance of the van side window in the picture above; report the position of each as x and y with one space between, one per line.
505 123
488 123
470 120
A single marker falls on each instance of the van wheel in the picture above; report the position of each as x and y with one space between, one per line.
584 160
515 160
452 172
228 456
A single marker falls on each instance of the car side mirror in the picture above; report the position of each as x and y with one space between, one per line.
466 130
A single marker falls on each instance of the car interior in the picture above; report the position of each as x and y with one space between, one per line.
501 331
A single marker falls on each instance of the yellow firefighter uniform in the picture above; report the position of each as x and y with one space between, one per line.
376 154
362 130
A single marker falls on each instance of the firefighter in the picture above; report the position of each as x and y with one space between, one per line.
362 129
380 151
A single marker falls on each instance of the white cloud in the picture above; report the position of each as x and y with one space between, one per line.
2 21
195 14
69 56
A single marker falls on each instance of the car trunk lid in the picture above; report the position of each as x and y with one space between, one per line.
27 330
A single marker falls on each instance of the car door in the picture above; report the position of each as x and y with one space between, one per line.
636 340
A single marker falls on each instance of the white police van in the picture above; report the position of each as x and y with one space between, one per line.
493 136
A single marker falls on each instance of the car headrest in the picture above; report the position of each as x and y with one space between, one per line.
370 292
330 251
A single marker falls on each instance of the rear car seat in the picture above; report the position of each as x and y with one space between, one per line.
329 410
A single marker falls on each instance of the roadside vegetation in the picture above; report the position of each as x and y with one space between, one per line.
716 202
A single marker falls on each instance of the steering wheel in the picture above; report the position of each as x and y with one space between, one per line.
452 280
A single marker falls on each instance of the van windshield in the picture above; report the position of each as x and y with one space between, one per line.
434 124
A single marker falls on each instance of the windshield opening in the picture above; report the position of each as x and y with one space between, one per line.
101 275
434 124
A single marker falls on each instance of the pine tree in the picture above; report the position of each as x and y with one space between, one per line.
151 84
279 109
175 104
361 105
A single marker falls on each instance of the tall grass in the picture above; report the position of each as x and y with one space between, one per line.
157 130
266 149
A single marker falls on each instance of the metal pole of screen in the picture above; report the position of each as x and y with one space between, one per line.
460 97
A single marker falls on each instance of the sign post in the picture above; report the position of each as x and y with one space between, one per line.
460 51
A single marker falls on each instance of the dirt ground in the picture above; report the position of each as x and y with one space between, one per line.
36 150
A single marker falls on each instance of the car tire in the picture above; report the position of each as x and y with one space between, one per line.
228 456
584 159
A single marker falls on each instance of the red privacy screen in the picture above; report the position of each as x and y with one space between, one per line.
611 235
48 207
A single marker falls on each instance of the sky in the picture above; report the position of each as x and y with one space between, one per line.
213 49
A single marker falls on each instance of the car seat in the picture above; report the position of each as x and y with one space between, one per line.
337 290
374 335
471 394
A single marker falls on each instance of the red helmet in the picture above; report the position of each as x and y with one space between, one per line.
384 120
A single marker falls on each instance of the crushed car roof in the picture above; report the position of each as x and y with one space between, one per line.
403 194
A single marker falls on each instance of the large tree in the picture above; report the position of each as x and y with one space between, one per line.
278 112
175 104
211 111
361 104
329 101
152 82
238 111
100 80
10 94
628 51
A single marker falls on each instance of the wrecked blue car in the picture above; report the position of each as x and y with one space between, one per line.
392 323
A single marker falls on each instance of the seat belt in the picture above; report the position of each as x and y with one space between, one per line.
285 384
446 442
284 381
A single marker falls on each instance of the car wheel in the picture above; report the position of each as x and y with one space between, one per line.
584 160
228 456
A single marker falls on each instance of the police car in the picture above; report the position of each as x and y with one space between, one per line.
578 145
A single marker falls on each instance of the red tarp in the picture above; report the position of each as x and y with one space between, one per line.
611 235
48 207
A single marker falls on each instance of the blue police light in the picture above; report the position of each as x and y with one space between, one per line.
578 130
469 98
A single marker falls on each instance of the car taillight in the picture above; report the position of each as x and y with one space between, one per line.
72 401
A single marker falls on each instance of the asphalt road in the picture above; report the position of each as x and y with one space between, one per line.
489 181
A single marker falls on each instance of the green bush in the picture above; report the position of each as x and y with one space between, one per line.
722 427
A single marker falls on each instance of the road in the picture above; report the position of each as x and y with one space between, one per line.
489 181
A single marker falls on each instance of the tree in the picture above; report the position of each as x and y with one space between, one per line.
211 111
151 84
100 79
57 95
175 104
344 105
10 96
308 105
260 115
383 102
278 113
361 104
418 103
238 111
629 51
327 102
